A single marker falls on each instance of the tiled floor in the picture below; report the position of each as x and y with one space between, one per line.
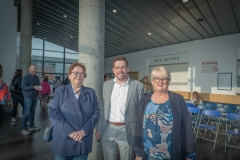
15 146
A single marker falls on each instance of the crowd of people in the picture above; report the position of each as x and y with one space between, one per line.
141 120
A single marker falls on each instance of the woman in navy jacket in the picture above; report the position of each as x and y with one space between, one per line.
74 112
163 126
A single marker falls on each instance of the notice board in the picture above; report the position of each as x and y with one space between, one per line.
224 81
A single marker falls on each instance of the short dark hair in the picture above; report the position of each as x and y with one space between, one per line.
77 64
119 58
45 79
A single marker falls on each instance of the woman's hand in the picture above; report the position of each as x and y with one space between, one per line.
78 135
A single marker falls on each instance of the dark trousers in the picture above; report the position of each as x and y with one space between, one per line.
1 114
17 98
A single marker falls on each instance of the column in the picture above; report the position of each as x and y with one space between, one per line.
91 52
26 35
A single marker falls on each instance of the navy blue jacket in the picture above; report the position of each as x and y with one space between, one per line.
28 86
75 115
183 141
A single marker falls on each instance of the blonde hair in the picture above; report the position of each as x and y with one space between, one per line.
162 70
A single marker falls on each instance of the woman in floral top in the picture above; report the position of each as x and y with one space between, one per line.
163 126
4 97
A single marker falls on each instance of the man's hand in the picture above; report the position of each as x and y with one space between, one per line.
78 135
97 135
38 88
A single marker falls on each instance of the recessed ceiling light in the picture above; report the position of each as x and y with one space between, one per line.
149 33
71 36
44 38
185 1
114 11
200 19
38 23
64 16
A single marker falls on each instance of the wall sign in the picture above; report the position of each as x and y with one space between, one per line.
209 66
169 59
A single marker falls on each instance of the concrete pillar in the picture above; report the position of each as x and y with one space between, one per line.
91 52
26 35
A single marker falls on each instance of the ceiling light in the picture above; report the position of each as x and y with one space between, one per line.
149 33
38 23
185 1
44 38
71 36
114 11
65 16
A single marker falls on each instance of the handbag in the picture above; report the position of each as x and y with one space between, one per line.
14 88
47 136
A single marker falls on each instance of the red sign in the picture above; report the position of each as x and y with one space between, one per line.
209 66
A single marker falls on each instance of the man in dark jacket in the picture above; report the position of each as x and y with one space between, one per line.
30 88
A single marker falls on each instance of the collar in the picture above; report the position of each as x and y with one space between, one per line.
127 82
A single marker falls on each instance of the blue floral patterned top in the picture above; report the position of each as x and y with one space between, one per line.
157 130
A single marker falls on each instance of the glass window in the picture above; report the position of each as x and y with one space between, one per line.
53 47
70 58
37 55
53 56
37 43
53 67
38 65
70 51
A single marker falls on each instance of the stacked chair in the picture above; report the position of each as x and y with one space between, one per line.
194 114
190 104
206 125
232 122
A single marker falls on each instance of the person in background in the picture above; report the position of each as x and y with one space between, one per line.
30 88
106 77
147 85
17 97
195 99
66 81
74 112
163 125
118 114
44 94
56 83
4 98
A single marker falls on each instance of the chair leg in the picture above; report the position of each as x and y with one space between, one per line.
226 139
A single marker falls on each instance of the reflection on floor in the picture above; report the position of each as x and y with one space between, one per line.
14 146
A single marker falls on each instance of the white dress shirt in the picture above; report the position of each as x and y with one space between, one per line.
118 102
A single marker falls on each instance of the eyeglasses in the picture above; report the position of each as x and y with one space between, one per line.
75 73
157 80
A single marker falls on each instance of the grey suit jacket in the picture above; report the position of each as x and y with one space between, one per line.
135 93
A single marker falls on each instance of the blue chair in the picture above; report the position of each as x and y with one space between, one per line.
231 118
233 107
202 107
208 127
211 104
190 104
238 112
194 114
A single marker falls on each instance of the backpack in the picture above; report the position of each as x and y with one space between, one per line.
14 88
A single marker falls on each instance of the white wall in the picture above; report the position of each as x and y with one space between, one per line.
8 39
222 49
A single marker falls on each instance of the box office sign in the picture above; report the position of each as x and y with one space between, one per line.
169 59
209 66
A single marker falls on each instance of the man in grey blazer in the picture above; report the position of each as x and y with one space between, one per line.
116 125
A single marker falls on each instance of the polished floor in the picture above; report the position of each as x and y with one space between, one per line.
14 146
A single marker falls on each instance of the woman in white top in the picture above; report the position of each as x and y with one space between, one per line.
195 99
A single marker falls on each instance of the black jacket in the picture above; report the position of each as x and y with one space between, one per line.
183 141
